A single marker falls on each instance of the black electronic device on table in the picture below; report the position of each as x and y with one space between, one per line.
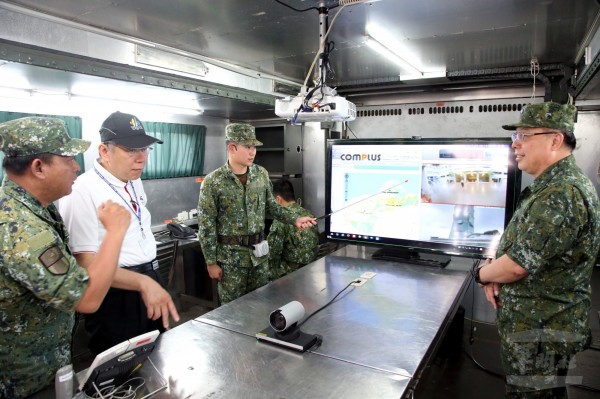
416 198
179 230
116 365
284 329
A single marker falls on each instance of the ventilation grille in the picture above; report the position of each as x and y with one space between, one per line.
350 2
440 110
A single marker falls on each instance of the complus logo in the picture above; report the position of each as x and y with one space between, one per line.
360 157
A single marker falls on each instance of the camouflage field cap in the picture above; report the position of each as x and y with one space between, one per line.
37 135
550 114
241 133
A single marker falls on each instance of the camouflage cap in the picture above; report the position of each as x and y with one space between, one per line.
241 133
37 135
549 114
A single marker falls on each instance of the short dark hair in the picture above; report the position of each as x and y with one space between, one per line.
569 140
284 188
18 165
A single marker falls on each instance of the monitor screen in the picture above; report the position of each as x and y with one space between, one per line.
444 196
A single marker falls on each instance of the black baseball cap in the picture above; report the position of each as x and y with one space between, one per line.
126 130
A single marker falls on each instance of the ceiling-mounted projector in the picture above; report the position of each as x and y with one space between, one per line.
320 104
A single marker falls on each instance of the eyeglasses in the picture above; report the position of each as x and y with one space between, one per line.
520 136
133 151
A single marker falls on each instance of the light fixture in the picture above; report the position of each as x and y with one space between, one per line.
10 92
386 44
72 101
140 109
424 75
391 55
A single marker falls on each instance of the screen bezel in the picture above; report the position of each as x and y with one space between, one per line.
513 188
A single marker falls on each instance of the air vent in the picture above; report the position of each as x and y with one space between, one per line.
378 112
441 110
446 110
501 107
416 111
350 2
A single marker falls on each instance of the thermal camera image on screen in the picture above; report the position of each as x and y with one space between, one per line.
436 193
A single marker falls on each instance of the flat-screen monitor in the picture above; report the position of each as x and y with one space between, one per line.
443 196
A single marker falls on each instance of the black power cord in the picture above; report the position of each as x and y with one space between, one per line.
327 304
295 9
306 9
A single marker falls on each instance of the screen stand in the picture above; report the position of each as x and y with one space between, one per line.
411 257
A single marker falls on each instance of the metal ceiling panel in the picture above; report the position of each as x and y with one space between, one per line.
267 37
263 35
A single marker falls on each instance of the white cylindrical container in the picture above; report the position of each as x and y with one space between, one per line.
63 382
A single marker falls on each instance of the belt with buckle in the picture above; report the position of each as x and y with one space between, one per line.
144 267
294 265
245 241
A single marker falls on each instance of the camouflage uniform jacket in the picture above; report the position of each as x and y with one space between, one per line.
554 235
290 246
40 285
226 207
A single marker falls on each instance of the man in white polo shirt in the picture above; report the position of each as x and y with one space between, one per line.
137 302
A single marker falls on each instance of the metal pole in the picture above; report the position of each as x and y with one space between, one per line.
323 14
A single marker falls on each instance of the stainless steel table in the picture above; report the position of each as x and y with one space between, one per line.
376 338
390 323
203 361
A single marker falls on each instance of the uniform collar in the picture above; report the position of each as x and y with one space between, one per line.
17 192
233 175
551 172
49 214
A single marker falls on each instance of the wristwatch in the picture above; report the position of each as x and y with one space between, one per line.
476 276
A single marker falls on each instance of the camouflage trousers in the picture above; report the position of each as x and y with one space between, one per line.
239 280
535 370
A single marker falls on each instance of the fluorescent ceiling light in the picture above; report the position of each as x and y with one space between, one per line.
135 107
391 55
71 100
388 45
425 75
10 92
138 94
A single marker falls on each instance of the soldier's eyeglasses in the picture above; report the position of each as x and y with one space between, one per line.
134 151
520 136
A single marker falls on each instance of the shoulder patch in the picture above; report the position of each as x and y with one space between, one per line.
41 240
54 260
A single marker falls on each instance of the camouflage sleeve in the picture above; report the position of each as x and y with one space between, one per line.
277 211
550 227
276 240
306 244
207 221
39 262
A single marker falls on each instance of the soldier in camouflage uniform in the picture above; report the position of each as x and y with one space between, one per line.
233 202
290 248
540 280
41 285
